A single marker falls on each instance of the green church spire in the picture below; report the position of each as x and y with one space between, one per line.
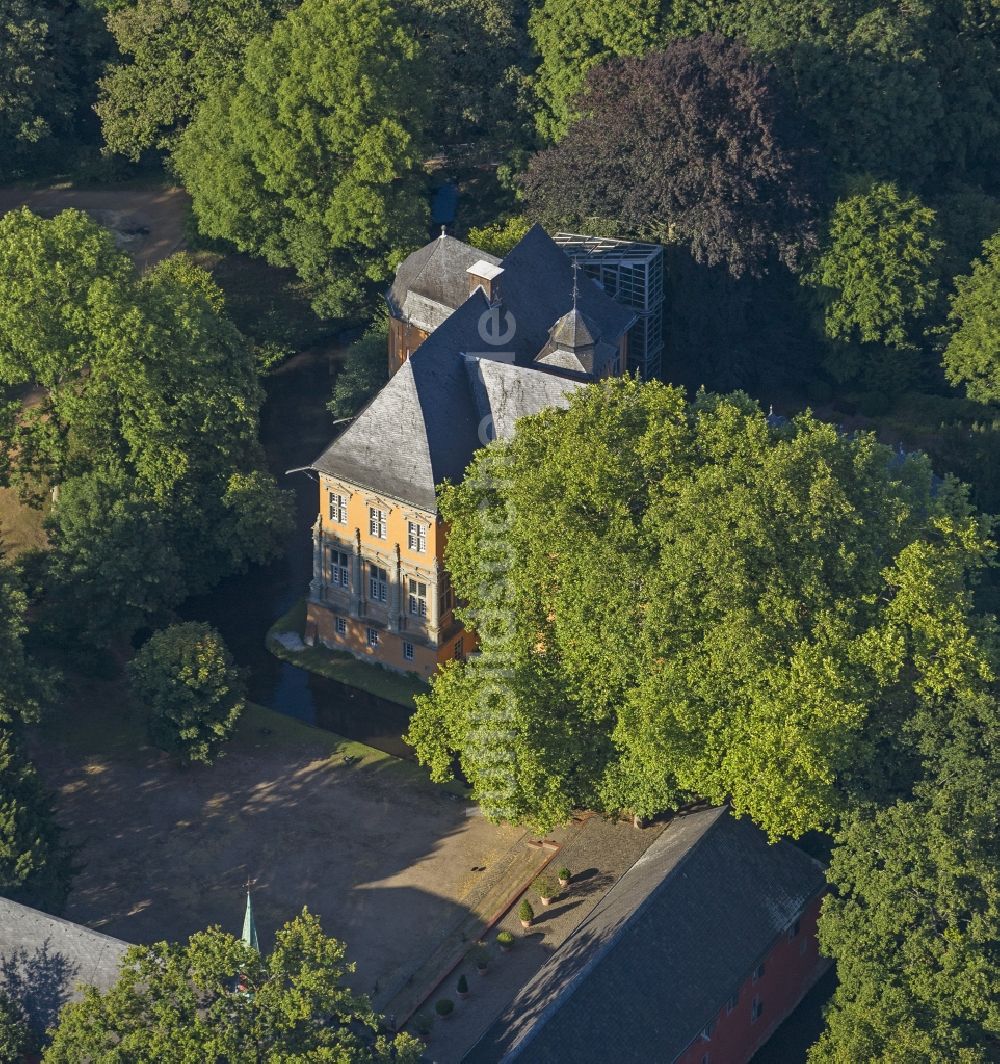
250 925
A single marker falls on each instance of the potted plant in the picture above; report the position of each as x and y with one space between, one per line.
564 876
423 1022
525 913
482 957
444 1007
505 940
546 888
463 986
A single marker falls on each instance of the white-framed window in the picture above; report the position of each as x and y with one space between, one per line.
758 972
338 508
793 930
705 1059
417 597
371 637
707 1031
341 626
732 1002
340 573
377 522
416 537
756 1009
378 583
408 651
459 649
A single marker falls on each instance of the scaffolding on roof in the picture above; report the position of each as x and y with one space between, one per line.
632 273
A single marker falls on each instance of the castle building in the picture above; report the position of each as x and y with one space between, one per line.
475 343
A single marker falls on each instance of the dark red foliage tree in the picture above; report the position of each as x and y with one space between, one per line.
695 144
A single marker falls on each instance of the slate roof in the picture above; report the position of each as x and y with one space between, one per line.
661 952
433 281
424 425
536 287
44 958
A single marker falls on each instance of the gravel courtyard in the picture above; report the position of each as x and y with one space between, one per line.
395 867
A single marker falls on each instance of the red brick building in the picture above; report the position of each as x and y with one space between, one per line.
694 956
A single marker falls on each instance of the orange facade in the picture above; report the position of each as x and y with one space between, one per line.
379 588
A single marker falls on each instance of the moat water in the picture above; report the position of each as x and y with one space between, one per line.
295 427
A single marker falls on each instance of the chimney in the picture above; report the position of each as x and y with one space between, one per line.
485 275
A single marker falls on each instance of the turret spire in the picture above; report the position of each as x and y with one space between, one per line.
249 923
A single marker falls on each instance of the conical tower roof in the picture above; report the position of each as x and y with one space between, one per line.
250 926
573 331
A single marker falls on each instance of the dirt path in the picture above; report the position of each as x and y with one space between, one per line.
148 222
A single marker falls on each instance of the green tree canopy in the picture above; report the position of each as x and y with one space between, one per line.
185 679
215 998
34 865
365 369
16 1038
878 268
49 53
144 415
914 923
574 35
177 54
679 600
500 237
972 356
309 155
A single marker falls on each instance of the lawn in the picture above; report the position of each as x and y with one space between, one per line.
345 668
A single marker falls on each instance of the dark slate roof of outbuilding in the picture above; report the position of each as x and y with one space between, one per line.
436 272
43 959
661 952
425 424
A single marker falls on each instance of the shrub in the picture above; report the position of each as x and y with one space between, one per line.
481 955
463 984
500 237
546 887
505 938
365 370
186 679
444 1006
564 874
422 1023
525 911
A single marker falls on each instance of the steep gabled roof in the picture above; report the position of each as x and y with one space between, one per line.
434 281
421 428
447 400
43 959
537 289
661 952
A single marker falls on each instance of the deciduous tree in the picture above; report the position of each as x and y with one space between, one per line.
695 144
173 56
145 410
972 356
680 600
309 154
215 998
915 918
877 271
185 679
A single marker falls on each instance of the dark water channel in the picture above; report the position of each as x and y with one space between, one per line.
295 427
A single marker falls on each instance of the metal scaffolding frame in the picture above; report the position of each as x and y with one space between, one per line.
631 273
